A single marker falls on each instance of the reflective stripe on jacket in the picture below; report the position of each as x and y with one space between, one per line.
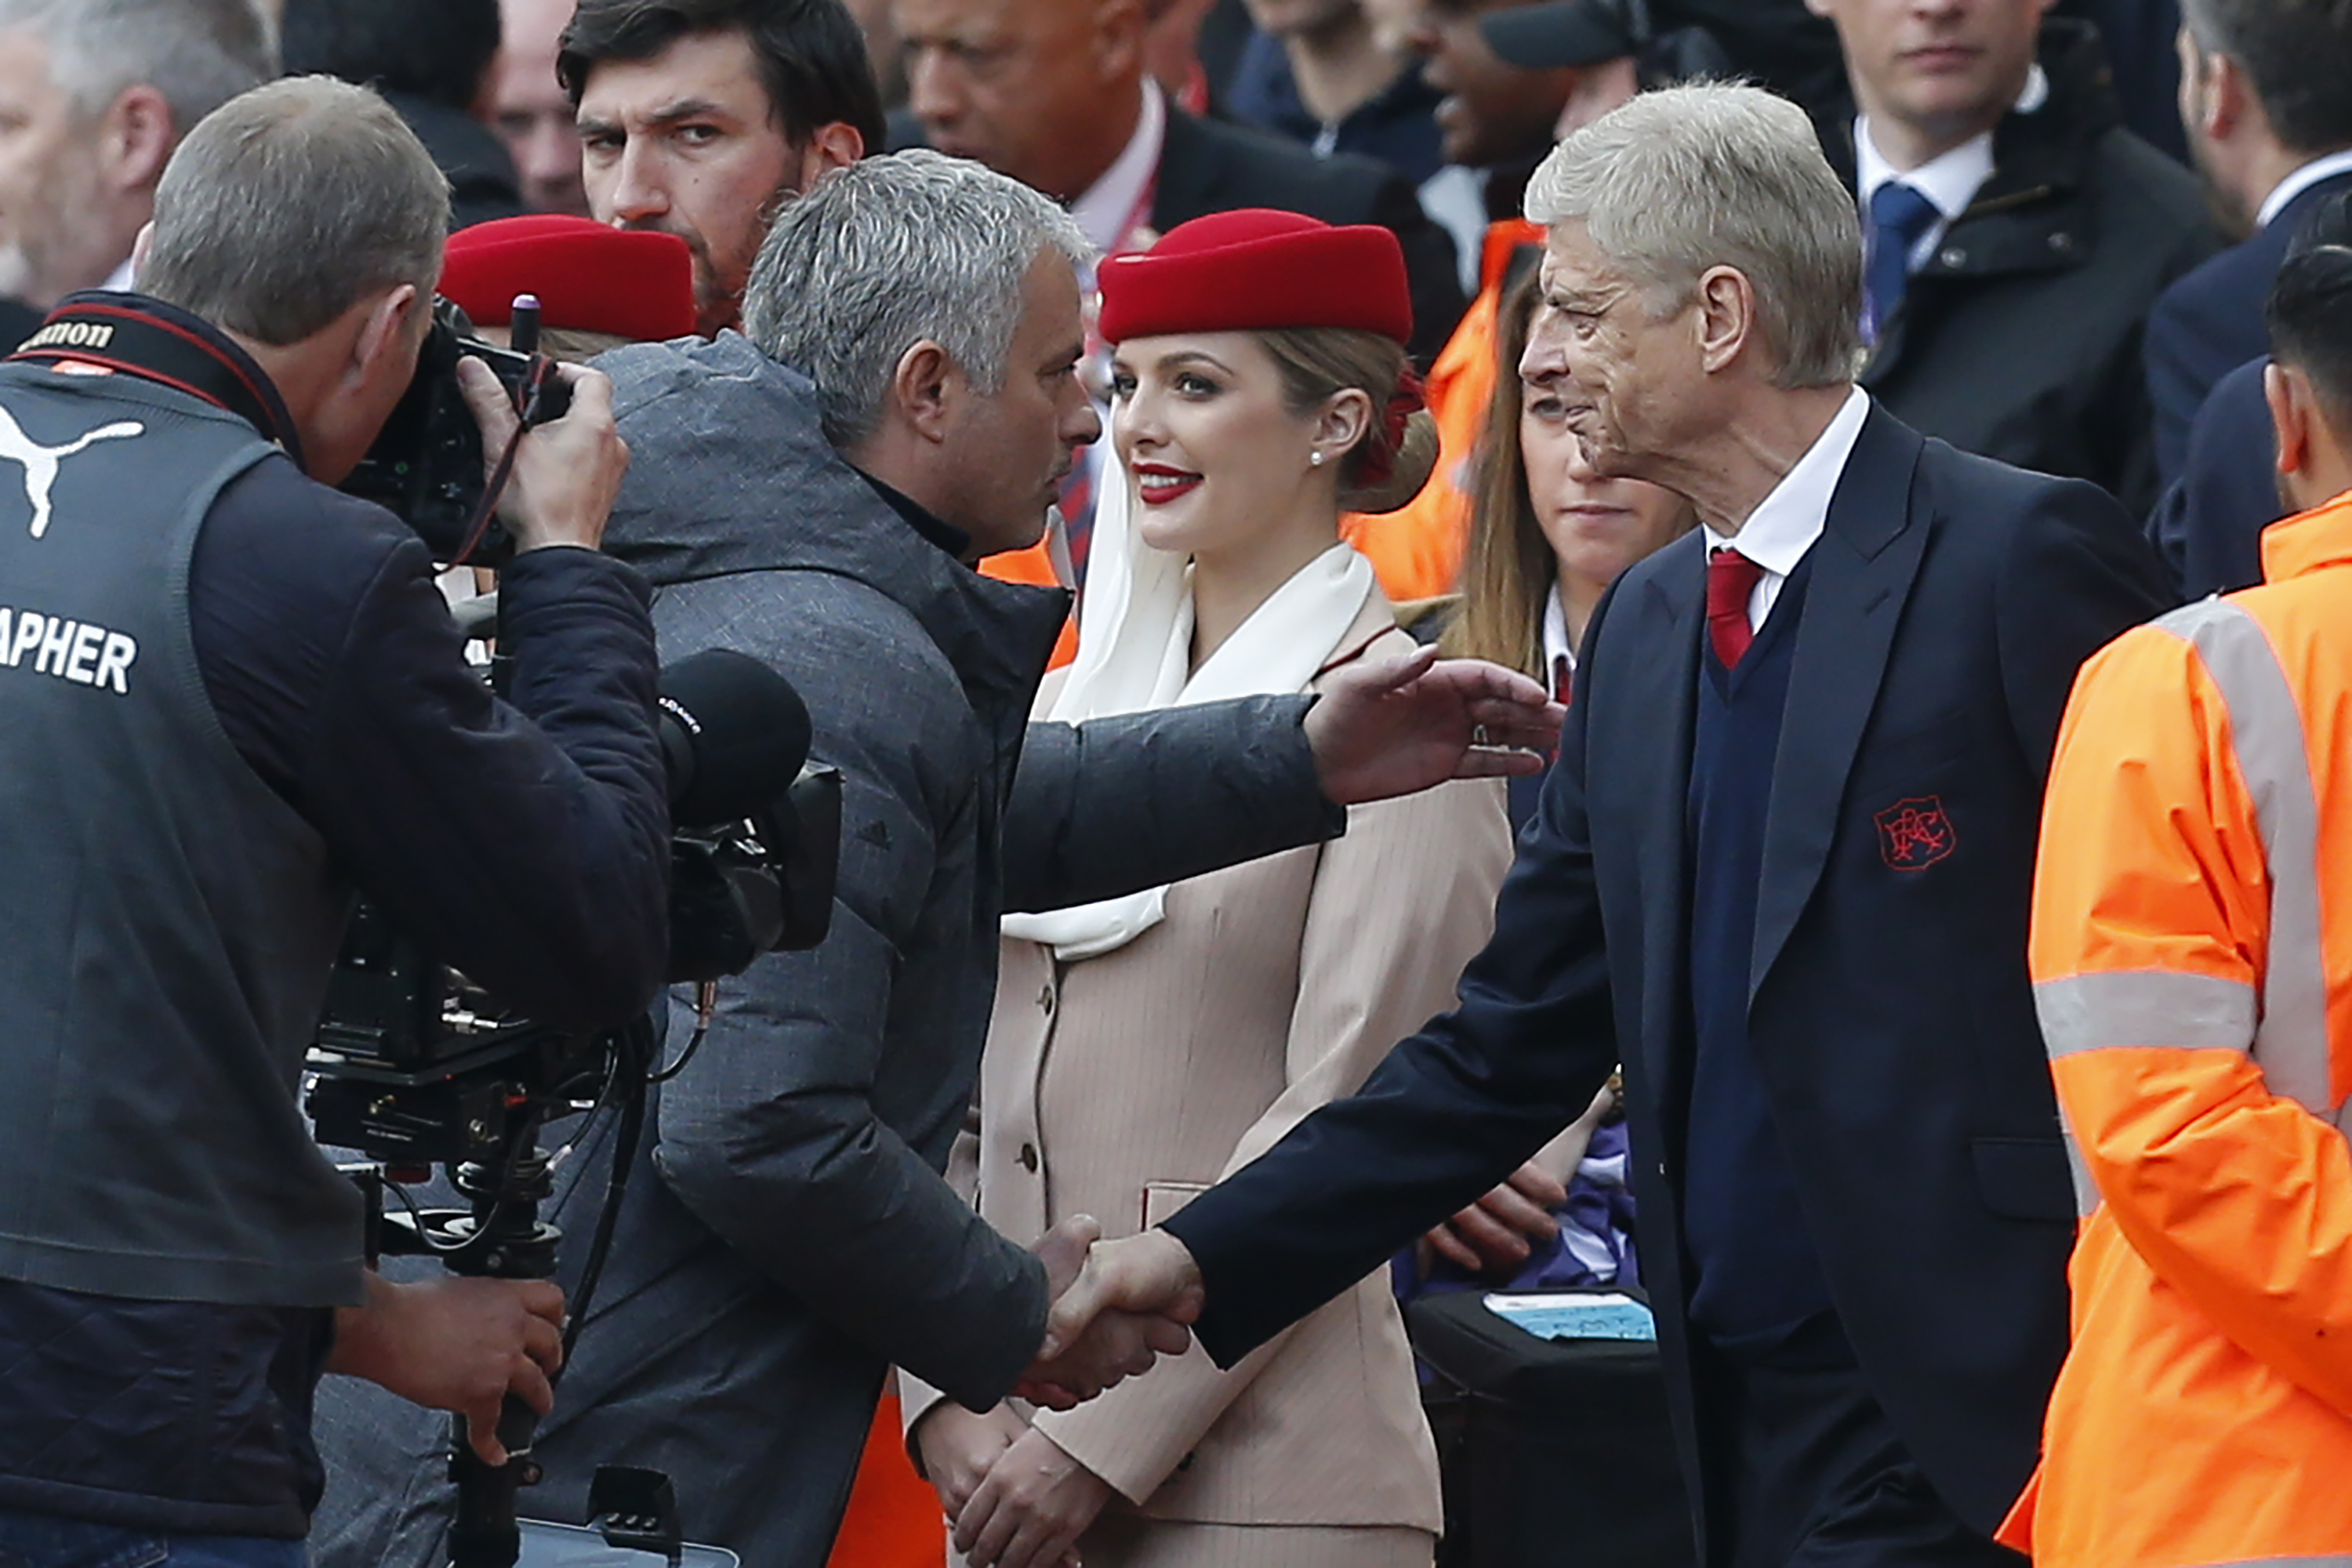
2192 959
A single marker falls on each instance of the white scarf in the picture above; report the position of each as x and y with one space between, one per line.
1135 645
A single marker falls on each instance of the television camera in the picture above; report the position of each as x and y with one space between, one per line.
415 1066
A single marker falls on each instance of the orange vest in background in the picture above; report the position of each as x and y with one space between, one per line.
2192 964
1035 565
1417 550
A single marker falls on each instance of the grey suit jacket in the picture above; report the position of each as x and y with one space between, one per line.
786 1234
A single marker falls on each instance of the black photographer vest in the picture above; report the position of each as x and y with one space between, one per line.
170 921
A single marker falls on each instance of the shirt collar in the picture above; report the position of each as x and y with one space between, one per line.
119 281
1785 523
2324 167
1102 213
1949 180
1556 643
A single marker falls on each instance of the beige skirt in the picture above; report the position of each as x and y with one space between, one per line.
1128 1541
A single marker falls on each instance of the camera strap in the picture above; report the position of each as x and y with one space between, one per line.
163 344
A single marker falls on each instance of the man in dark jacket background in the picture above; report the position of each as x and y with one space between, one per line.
2014 234
2269 120
431 59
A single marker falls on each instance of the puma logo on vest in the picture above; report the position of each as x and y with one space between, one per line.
40 463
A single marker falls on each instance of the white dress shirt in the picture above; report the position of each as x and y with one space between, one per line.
1102 214
1558 648
1785 523
1949 181
2324 167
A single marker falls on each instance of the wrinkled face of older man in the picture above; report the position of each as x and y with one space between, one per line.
1635 382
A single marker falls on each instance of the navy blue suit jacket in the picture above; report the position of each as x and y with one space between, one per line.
1951 600
2209 526
2210 321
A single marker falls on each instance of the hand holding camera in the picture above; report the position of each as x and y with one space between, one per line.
566 473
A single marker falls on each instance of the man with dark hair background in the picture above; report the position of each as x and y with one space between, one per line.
431 59
699 117
2264 96
530 112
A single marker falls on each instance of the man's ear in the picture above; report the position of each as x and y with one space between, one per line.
2224 96
2288 392
1724 313
384 333
924 388
1119 27
836 144
136 135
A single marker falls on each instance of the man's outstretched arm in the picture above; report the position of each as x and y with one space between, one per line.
1106 807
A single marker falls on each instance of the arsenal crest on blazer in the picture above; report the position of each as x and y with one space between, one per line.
1914 833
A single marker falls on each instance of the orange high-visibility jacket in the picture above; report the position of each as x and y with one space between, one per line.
2192 964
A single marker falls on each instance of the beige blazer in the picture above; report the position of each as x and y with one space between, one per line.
1122 1085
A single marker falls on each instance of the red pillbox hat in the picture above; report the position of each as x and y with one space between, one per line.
630 283
1255 269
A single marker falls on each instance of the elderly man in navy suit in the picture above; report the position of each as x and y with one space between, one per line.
1781 871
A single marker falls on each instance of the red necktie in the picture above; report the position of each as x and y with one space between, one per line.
1731 578
1563 681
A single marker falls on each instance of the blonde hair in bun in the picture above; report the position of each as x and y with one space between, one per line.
1317 362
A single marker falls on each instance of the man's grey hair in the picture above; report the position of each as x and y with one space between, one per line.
290 205
1709 174
198 54
877 258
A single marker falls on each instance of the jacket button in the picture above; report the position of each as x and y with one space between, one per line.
1953 256
1045 998
2062 243
1029 1158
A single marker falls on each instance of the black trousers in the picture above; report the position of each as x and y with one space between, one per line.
1804 1470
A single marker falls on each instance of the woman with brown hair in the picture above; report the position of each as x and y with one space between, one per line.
1143 1046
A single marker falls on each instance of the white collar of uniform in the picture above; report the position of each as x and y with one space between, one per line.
1786 522
1556 643
1950 180
2324 167
1102 213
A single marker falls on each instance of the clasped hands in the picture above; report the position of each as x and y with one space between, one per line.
1017 1497
1117 1306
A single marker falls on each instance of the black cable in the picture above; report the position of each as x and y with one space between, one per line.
634 1053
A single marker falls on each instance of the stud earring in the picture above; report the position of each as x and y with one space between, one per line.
1316 458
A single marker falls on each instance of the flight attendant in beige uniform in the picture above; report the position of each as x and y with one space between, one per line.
1144 1045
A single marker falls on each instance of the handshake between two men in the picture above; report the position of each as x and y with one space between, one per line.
1114 1313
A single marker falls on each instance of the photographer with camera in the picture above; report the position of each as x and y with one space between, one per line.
230 698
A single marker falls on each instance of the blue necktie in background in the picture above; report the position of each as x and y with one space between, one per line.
1899 216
